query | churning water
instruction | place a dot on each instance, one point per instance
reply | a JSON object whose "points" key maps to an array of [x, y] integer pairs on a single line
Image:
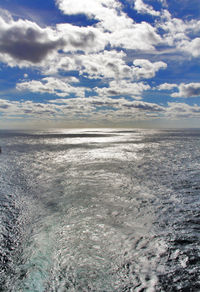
{"points": [[100, 210]]}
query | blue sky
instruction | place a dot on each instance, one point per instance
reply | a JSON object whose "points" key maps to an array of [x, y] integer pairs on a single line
{"points": [[66, 63]]}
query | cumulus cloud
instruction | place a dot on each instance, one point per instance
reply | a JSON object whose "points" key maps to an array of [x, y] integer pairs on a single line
{"points": [[64, 87], [187, 90], [112, 64], [24, 43], [144, 8], [107, 12], [5, 15], [51, 85], [141, 36], [114, 50], [95, 108], [184, 90], [180, 34], [79, 108], [192, 47], [27, 109], [146, 69], [92, 8], [110, 104], [23, 40], [123, 88], [167, 86], [106, 64], [182, 110], [143, 106], [5, 105], [164, 3], [88, 39], [119, 29]]}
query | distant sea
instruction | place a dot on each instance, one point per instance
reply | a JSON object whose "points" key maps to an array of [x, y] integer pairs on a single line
{"points": [[100, 210]]}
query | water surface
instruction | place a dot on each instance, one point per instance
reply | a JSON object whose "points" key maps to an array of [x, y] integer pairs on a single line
{"points": [[100, 210]]}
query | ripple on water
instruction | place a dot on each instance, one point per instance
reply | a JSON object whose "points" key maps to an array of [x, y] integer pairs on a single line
{"points": [[109, 212]]}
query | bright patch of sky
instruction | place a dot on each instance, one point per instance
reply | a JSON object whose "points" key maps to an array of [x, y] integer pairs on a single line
{"points": [[99, 62]]}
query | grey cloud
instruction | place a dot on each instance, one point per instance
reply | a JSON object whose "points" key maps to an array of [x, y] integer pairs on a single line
{"points": [[27, 44], [196, 110], [182, 110], [116, 109], [145, 106], [4, 106], [191, 91], [27, 111], [188, 90], [105, 102], [84, 39], [113, 67], [123, 88], [113, 92]]}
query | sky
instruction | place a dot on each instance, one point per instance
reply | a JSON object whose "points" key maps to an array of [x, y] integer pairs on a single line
{"points": [[99, 63]]}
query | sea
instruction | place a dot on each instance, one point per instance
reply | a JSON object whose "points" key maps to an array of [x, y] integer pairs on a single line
{"points": [[100, 210]]}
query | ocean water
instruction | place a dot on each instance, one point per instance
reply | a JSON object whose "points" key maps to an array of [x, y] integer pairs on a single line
{"points": [[100, 210]]}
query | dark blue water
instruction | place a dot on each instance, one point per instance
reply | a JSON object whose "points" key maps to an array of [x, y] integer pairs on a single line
{"points": [[100, 210]]}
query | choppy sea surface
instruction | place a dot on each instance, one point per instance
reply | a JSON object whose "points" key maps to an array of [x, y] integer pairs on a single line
{"points": [[100, 210]]}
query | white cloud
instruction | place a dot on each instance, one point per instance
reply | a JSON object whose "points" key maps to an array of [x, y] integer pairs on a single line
{"points": [[192, 47], [107, 12], [144, 8], [146, 69], [141, 36], [187, 90], [107, 64], [167, 86], [121, 31], [114, 20], [27, 109], [182, 110], [111, 64], [92, 8], [180, 34], [164, 3], [6, 105], [110, 104], [95, 108], [23, 42], [62, 62], [68, 47], [88, 39], [5, 15], [142, 106], [123, 88], [184, 90], [51, 85]]}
